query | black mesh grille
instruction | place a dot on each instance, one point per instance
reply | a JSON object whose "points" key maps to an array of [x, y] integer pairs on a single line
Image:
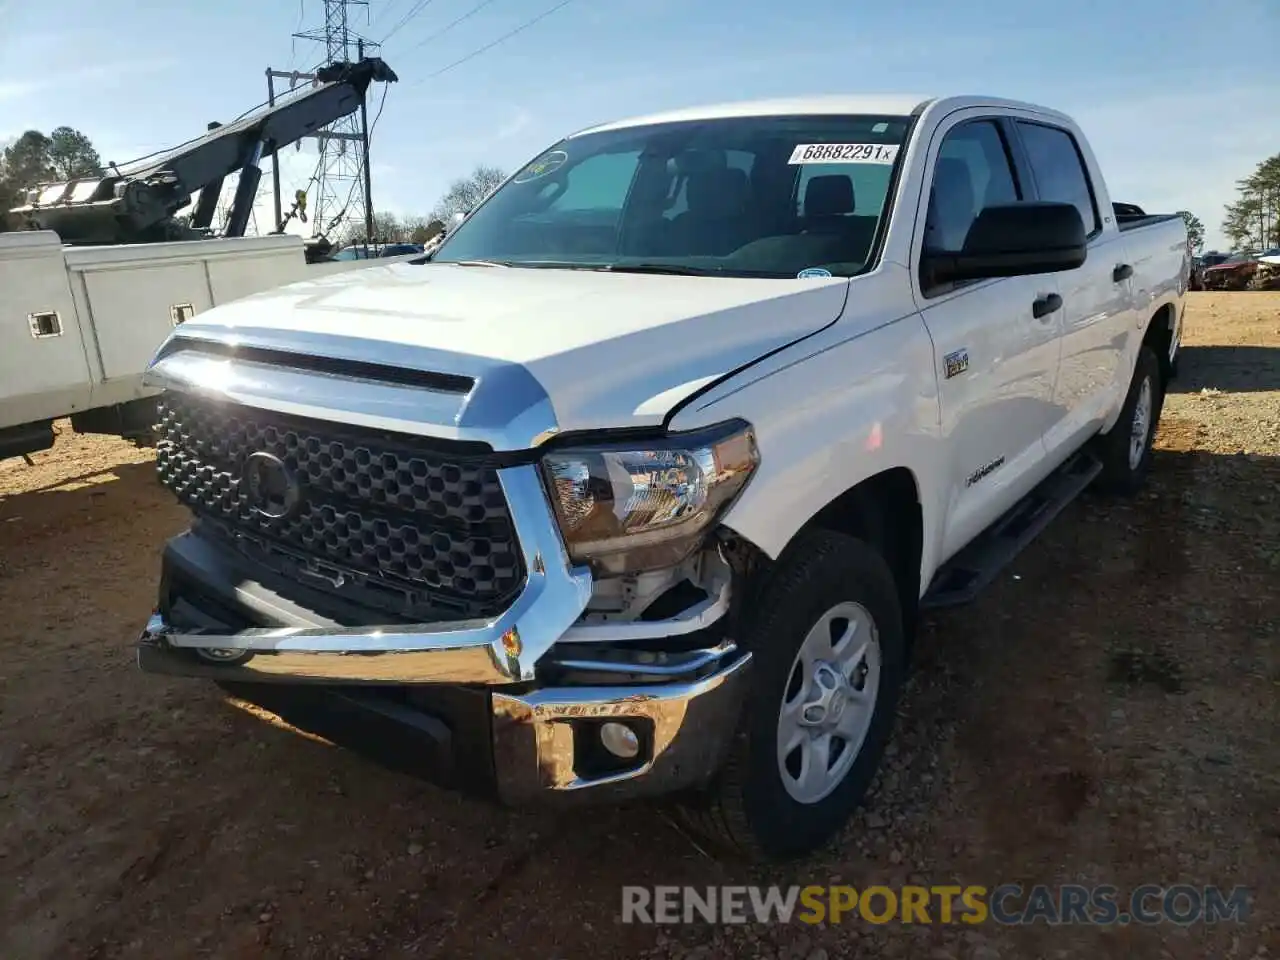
{"points": [[407, 524]]}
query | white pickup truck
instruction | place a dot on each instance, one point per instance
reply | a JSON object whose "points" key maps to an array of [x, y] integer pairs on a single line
{"points": [[638, 483]]}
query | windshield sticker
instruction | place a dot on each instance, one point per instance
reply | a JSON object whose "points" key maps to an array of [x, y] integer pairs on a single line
{"points": [[542, 166], [809, 272], [844, 153]]}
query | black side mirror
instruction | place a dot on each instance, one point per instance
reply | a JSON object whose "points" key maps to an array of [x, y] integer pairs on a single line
{"points": [[1014, 240]]}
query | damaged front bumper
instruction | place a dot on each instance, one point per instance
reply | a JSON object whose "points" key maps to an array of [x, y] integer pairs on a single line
{"points": [[513, 706]]}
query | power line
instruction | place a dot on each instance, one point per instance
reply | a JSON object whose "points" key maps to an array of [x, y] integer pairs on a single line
{"points": [[293, 52], [502, 39], [386, 88], [386, 8], [185, 143], [445, 29], [416, 9]]}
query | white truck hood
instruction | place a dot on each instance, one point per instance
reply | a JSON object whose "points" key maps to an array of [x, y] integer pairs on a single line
{"points": [[607, 349]]}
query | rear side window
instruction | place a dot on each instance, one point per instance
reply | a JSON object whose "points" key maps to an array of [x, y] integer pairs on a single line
{"points": [[1059, 169]]}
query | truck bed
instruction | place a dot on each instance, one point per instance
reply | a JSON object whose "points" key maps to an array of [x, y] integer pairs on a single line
{"points": [[1130, 216], [1127, 222]]}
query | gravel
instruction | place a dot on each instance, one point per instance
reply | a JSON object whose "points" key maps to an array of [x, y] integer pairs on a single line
{"points": [[1104, 713]]}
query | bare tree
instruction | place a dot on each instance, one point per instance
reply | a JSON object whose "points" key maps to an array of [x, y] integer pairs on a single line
{"points": [[466, 194], [387, 228]]}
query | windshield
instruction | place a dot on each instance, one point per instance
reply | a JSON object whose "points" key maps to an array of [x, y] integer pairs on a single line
{"points": [[739, 196]]}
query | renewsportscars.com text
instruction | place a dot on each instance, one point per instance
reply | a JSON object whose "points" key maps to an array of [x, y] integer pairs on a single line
{"points": [[944, 903]]}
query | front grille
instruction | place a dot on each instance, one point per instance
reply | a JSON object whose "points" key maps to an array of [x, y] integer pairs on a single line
{"points": [[420, 528]]}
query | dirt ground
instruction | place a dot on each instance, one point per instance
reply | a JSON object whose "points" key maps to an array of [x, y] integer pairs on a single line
{"points": [[1106, 713]]}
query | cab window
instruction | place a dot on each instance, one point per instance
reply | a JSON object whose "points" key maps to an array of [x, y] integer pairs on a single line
{"points": [[973, 171], [1059, 170]]}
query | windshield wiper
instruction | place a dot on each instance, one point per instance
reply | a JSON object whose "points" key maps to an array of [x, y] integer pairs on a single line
{"points": [[667, 268], [661, 268]]}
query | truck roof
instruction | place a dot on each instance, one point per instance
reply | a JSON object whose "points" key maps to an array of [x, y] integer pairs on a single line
{"points": [[884, 104]]}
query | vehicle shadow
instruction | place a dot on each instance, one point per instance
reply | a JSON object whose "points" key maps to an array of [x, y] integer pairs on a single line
{"points": [[1242, 369], [35, 523]]}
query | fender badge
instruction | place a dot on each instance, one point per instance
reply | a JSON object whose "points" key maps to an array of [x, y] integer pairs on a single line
{"points": [[956, 363]]}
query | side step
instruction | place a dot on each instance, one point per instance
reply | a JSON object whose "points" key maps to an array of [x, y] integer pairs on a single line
{"points": [[963, 576]]}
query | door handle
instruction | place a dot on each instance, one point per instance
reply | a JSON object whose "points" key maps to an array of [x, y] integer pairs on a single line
{"points": [[1043, 306], [1122, 272]]}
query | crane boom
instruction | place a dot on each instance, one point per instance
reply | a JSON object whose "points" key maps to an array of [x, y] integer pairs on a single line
{"points": [[136, 203]]}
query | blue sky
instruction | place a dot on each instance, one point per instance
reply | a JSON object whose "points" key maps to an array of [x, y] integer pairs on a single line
{"points": [[1178, 100]]}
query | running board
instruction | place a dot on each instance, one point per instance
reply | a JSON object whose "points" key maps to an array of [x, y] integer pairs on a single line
{"points": [[963, 576]]}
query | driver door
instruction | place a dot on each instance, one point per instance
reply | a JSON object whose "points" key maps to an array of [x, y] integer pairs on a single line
{"points": [[997, 342]]}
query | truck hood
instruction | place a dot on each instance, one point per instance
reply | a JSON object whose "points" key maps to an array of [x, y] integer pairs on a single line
{"points": [[604, 350]]}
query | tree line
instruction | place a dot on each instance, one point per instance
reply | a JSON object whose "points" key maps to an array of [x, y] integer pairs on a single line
{"points": [[1252, 222], [33, 158], [463, 194]]}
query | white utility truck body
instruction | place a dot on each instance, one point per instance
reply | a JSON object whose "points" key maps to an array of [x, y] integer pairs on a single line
{"points": [[78, 325]]}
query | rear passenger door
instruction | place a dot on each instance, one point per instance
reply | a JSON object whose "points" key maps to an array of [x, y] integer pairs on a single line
{"points": [[1096, 297], [997, 362]]}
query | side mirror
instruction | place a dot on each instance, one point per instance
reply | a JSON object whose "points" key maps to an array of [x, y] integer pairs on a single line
{"points": [[1014, 240]]}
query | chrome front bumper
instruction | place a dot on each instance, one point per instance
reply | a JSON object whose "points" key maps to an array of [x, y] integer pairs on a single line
{"points": [[687, 726], [541, 740], [539, 746], [501, 650]]}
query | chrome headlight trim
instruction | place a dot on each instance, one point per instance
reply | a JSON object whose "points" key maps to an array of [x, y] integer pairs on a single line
{"points": [[629, 505]]}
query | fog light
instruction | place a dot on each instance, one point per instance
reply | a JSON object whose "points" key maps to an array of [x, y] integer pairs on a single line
{"points": [[620, 740]]}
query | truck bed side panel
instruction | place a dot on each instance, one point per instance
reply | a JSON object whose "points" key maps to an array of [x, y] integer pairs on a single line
{"points": [[231, 278], [1158, 253], [133, 295], [133, 310]]}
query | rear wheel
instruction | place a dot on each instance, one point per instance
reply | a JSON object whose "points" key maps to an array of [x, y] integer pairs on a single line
{"points": [[827, 640], [1126, 450]]}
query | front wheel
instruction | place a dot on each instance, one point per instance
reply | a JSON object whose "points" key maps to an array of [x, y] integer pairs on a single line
{"points": [[828, 645]]}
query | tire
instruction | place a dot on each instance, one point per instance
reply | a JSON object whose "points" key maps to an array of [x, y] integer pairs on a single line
{"points": [[1126, 457], [750, 810]]}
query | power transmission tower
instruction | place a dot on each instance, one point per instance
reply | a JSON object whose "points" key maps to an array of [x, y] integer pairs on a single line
{"points": [[342, 199]]}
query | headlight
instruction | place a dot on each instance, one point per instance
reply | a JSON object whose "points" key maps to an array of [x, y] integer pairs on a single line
{"points": [[626, 507]]}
